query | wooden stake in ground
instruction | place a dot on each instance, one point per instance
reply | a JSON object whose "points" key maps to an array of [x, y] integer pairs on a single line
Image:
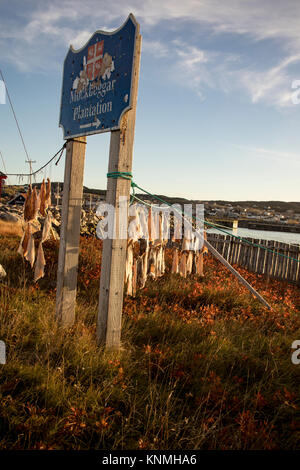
{"points": [[237, 275], [70, 231], [114, 250]]}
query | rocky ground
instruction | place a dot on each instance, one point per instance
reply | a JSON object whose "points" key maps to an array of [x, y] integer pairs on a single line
{"points": [[11, 221], [14, 215]]}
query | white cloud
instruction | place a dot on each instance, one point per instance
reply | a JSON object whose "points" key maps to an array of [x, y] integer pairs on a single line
{"points": [[156, 48], [260, 20], [274, 155], [272, 85], [191, 56], [191, 67], [207, 69], [40, 37], [81, 39]]}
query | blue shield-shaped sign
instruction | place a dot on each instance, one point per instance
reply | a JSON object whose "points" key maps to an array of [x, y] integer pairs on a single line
{"points": [[97, 82]]}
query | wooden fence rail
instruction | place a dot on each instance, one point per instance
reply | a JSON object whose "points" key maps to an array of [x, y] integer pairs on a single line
{"points": [[257, 259]]}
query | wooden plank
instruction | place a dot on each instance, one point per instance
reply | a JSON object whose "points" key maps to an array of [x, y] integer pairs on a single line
{"points": [[274, 264], [274, 274], [247, 254], [217, 243], [293, 264], [70, 231], [266, 257], [278, 264], [244, 248], [238, 252], [239, 277], [255, 255], [230, 250], [251, 256], [293, 253], [257, 249], [220, 243], [298, 267], [225, 240], [260, 256], [264, 260], [114, 250], [284, 263], [274, 258], [236, 246], [280, 261], [233, 250], [222, 252], [290, 263], [242, 253], [227, 245], [269, 258]]}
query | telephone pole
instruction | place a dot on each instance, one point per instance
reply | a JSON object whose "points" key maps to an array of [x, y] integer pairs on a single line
{"points": [[30, 162]]}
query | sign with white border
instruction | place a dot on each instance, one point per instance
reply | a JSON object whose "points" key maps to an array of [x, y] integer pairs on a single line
{"points": [[97, 82]]}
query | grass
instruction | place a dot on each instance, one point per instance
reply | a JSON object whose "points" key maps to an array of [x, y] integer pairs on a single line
{"points": [[10, 229], [203, 365]]}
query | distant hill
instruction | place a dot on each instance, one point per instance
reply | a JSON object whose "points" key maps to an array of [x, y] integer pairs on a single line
{"points": [[278, 206]]}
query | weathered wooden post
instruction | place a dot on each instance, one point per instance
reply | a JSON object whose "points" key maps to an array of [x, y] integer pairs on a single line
{"points": [[114, 250], [99, 94], [69, 232]]}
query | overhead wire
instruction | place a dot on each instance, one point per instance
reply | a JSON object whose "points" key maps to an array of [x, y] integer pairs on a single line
{"points": [[60, 151], [14, 114]]}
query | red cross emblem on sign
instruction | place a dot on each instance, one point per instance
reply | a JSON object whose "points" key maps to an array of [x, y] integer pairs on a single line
{"points": [[94, 60]]}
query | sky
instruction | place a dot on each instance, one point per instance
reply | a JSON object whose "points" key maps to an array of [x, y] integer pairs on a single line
{"points": [[217, 114]]}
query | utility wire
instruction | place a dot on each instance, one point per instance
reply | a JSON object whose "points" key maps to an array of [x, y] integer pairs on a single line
{"points": [[12, 108], [3, 162], [134, 185], [42, 167]]}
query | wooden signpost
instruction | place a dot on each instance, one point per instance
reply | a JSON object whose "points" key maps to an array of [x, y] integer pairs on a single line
{"points": [[69, 232], [114, 250], [99, 94]]}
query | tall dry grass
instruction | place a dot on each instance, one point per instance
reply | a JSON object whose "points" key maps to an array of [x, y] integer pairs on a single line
{"points": [[202, 366], [12, 229]]}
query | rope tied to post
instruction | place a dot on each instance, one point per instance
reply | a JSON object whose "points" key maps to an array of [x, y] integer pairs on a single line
{"points": [[128, 175], [120, 174]]}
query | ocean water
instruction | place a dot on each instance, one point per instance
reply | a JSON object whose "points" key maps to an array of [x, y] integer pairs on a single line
{"points": [[283, 237]]}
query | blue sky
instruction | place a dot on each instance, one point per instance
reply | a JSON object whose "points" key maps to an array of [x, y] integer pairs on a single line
{"points": [[215, 118]]}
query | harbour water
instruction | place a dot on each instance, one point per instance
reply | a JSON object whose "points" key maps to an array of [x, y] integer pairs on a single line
{"points": [[283, 237]]}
